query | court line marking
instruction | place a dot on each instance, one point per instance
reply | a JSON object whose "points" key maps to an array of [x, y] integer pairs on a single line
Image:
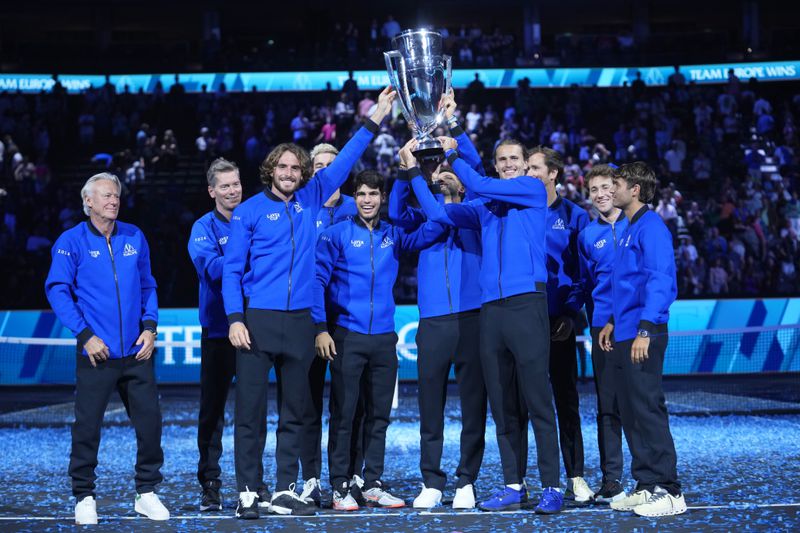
{"points": [[374, 515]]}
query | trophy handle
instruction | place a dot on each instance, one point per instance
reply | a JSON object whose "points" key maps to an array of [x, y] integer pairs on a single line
{"points": [[448, 84], [399, 84]]}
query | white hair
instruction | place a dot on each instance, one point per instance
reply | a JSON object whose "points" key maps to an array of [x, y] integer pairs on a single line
{"points": [[88, 187]]}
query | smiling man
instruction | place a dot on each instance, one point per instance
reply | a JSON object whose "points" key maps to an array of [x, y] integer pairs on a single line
{"points": [[596, 245], [357, 263], [101, 288], [267, 284], [207, 244]]}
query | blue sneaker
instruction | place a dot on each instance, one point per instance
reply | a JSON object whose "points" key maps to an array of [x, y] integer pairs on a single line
{"points": [[551, 502], [505, 499]]}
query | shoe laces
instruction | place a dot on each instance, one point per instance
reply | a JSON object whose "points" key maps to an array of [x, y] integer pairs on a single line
{"points": [[291, 493], [549, 495], [309, 486], [657, 495], [357, 481]]}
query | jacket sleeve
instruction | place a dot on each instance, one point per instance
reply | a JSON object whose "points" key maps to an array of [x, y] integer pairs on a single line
{"points": [[524, 190], [327, 180], [400, 213], [205, 253], [422, 237], [577, 295], [467, 150], [148, 282], [237, 251], [327, 255], [464, 215], [658, 265], [586, 276], [59, 287]]}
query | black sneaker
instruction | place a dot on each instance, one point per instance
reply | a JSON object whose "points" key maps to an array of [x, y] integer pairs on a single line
{"points": [[264, 497], [211, 500], [247, 508], [288, 502], [611, 491], [311, 492]]}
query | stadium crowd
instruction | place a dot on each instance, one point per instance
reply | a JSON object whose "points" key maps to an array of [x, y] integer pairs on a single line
{"points": [[727, 157]]}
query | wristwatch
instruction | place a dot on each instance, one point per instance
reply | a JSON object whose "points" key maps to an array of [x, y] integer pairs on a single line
{"points": [[154, 331], [643, 333], [452, 121]]}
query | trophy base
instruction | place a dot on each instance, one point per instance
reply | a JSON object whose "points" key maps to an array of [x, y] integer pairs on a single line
{"points": [[429, 149]]}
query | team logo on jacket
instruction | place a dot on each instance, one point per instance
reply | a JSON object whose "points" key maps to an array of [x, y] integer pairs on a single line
{"points": [[128, 250], [387, 242], [273, 216], [94, 253], [559, 224], [599, 244], [223, 240], [357, 244], [298, 208]]}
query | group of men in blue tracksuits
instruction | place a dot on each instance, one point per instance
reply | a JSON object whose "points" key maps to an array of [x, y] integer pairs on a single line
{"points": [[300, 278]]}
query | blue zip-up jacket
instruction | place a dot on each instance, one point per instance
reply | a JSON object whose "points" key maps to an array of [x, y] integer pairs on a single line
{"points": [[207, 244], [270, 254], [596, 248], [644, 283], [511, 214], [103, 288], [564, 290], [448, 270], [356, 271], [344, 209]]}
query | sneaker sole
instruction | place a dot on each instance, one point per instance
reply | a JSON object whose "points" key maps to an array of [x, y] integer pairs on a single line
{"points": [[390, 506], [88, 523], [247, 515], [672, 512], [543, 511], [437, 504], [215, 507], [513, 507], [345, 509], [155, 519], [608, 500], [286, 511]]}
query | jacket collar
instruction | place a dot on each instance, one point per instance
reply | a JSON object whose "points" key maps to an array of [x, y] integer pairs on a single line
{"points": [[272, 196], [620, 216], [557, 202], [97, 231], [220, 216], [357, 220], [640, 213]]}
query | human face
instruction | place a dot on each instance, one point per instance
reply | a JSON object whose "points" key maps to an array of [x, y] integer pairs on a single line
{"points": [[368, 202], [103, 202], [621, 194], [509, 162], [538, 169], [288, 174], [449, 183], [600, 188], [322, 161], [227, 191]]}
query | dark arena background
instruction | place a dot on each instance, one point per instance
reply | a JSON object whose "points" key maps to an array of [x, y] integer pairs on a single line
{"points": [[706, 92]]}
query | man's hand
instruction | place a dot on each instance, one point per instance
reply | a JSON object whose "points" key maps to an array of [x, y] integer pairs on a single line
{"points": [[604, 337], [384, 106], [407, 154], [561, 329], [325, 346], [148, 341], [448, 143], [97, 350], [448, 103], [639, 349], [239, 336]]}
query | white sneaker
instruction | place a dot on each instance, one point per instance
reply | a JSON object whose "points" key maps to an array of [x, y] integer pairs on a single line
{"points": [[582, 492], [86, 511], [464, 498], [428, 498], [378, 497], [631, 500], [661, 503], [312, 492], [149, 505]]}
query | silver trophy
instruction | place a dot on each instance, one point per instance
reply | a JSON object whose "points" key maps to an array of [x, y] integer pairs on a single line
{"points": [[421, 74]]}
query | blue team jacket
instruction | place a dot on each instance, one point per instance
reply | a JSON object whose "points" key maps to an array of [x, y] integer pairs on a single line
{"points": [[344, 209], [103, 288], [270, 255], [644, 284], [511, 215], [207, 244], [596, 248], [564, 290], [356, 271]]}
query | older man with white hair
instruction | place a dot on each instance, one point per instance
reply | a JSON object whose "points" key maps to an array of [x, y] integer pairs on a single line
{"points": [[101, 288]]}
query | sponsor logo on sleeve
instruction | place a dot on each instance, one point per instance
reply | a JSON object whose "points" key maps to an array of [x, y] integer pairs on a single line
{"points": [[129, 250]]}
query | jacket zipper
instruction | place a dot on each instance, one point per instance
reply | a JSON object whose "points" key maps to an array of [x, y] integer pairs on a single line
{"points": [[331, 212], [119, 300], [447, 271], [500, 255], [372, 282], [291, 261]]}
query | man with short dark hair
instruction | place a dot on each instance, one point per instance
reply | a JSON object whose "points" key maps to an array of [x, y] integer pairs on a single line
{"points": [[267, 285], [357, 263], [101, 288], [564, 301], [643, 285], [207, 243], [596, 246]]}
